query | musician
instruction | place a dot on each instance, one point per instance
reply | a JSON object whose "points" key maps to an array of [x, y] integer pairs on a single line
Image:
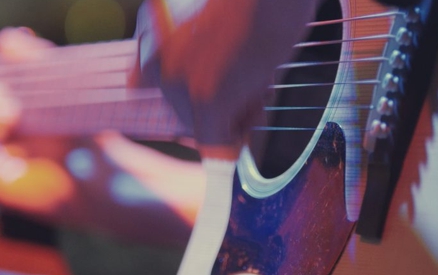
{"points": [[214, 72], [202, 58], [241, 41], [228, 47]]}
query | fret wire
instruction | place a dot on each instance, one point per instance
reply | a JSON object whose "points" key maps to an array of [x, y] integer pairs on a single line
{"points": [[147, 111]]}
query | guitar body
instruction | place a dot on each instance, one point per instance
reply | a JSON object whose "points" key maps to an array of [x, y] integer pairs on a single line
{"points": [[409, 244], [297, 222], [410, 240], [301, 229]]}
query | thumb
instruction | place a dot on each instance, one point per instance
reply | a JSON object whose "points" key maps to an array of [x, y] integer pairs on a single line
{"points": [[10, 110], [21, 44]]}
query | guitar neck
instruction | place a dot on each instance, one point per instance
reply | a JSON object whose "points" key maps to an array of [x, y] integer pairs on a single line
{"points": [[81, 90]]}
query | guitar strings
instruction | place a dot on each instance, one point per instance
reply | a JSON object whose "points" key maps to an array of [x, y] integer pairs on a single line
{"points": [[89, 96], [131, 51], [129, 47], [353, 108], [121, 66]]}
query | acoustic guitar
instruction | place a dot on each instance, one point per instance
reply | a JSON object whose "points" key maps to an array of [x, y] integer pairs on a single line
{"points": [[294, 223], [247, 235]]}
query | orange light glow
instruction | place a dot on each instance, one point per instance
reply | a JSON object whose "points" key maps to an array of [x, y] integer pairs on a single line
{"points": [[94, 20], [23, 257], [37, 185]]}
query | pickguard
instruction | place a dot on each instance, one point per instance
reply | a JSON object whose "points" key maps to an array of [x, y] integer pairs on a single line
{"points": [[301, 229]]}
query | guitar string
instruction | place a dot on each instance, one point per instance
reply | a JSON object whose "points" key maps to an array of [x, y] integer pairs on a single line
{"points": [[357, 18], [311, 64], [293, 108], [378, 59], [332, 42], [273, 128], [124, 94], [303, 85]]}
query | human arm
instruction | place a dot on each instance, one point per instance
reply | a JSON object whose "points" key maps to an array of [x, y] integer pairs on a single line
{"points": [[63, 198]]}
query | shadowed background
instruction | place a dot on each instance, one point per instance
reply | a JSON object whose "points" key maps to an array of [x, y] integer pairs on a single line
{"points": [[72, 21]]}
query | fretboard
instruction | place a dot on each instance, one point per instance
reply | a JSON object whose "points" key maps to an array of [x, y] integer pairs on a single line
{"points": [[81, 90]]}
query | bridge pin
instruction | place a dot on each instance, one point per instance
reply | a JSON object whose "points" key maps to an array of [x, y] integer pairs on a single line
{"points": [[390, 82], [403, 37], [385, 106], [397, 60], [379, 129]]}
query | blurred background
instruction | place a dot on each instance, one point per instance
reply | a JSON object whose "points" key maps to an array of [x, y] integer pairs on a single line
{"points": [[72, 22]]}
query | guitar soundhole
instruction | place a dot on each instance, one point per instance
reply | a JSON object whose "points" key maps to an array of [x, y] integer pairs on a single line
{"points": [[282, 148]]}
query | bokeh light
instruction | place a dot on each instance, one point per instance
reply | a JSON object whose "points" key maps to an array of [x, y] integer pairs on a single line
{"points": [[94, 20]]}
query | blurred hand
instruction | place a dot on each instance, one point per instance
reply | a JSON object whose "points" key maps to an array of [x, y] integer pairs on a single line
{"points": [[21, 44], [16, 45], [216, 66], [182, 189], [9, 111]]}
